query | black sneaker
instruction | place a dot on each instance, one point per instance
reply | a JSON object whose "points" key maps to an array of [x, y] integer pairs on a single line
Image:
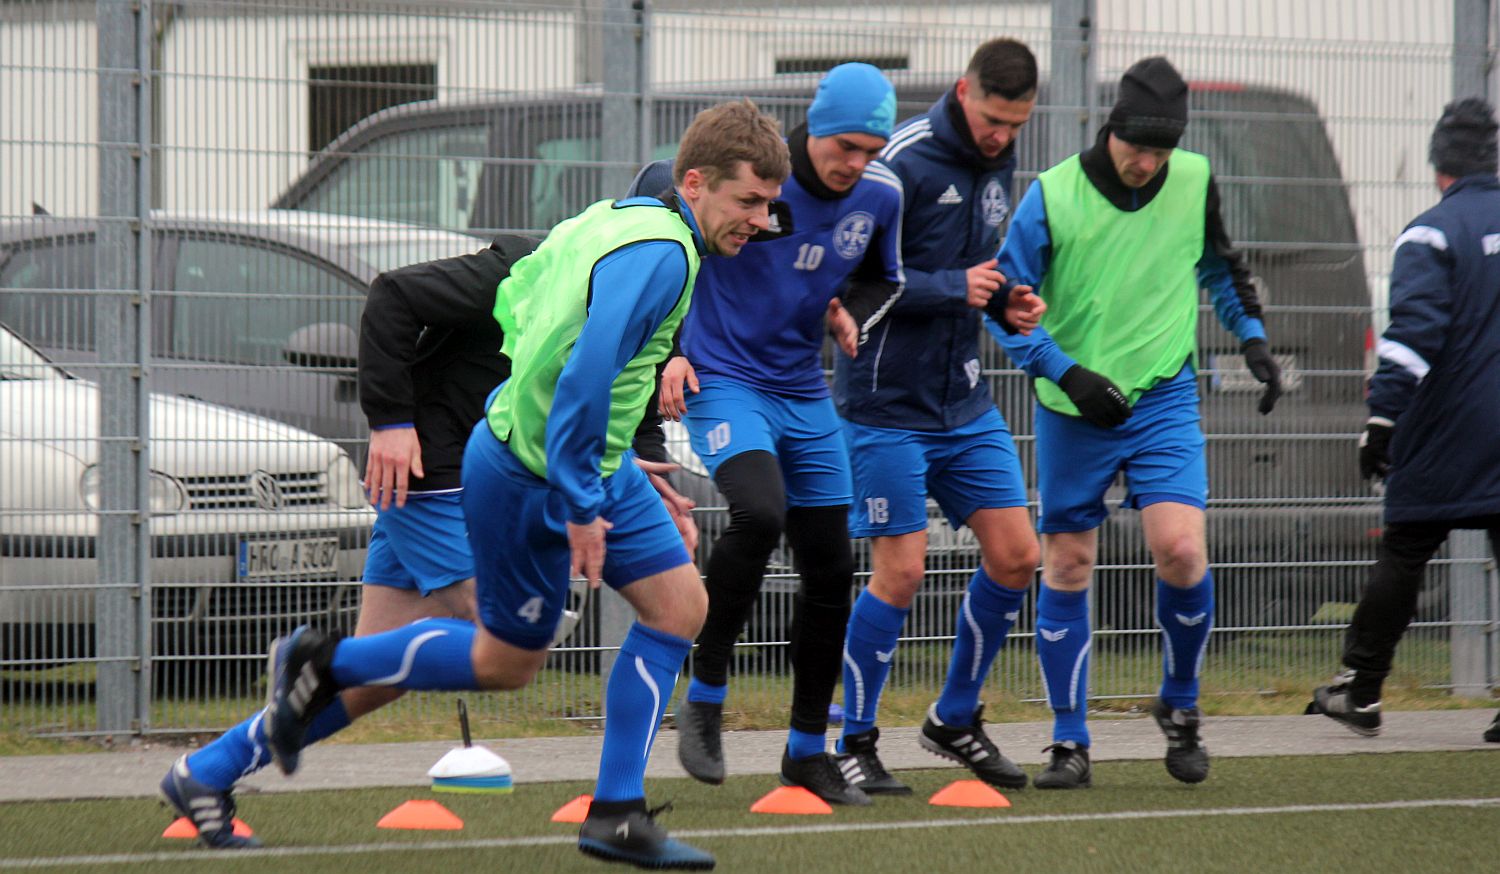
{"points": [[1492, 734], [1069, 768], [1187, 757], [208, 809], [1335, 702], [299, 668], [862, 767], [821, 776], [700, 747], [632, 836], [971, 747]]}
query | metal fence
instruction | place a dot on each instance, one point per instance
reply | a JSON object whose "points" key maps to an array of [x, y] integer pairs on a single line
{"points": [[196, 195]]}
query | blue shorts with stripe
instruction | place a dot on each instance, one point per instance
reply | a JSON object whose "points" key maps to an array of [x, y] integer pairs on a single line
{"points": [[726, 418], [1159, 449], [518, 531], [973, 467], [422, 546]]}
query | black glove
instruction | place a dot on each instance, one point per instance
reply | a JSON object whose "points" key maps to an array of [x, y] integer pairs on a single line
{"points": [[1375, 448], [1098, 400], [1264, 368]]}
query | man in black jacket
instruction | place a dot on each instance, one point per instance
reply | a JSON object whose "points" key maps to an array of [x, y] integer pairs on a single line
{"points": [[429, 356]]}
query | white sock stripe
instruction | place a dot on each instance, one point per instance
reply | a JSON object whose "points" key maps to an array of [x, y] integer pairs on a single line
{"points": [[859, 683], [1083, 654], [257, 749], [1168, 653], [408, 659], [640, 668], [978, 633]]}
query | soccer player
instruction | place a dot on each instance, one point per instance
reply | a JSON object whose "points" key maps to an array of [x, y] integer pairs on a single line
{"points": [[1118, 240], [549, 491], [426, 364], [757, 408], [919, 420]]}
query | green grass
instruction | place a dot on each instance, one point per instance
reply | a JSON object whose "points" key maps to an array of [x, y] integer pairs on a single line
{"points": [[1437, 838], [1252, 674]]}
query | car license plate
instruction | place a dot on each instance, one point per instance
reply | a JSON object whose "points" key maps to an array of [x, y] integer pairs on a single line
{"points": [[304, 557]]}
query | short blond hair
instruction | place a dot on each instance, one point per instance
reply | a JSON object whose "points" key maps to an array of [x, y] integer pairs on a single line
{"points": [[726, 134]]}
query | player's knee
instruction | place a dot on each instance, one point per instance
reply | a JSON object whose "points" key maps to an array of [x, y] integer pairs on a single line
{"points": [[1180, 559], [897, 583], [761, 523], [1013, 564], [505, 676]]}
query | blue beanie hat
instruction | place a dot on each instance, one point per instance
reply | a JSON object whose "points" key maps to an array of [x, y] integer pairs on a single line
{"points": [[853, 98]]}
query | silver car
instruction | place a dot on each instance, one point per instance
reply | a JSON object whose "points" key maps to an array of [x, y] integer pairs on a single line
{"points": [[255, 525]]}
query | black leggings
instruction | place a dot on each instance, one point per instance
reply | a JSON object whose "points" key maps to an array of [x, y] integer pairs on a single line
{"points": [[1390, 601], [819, 537]]}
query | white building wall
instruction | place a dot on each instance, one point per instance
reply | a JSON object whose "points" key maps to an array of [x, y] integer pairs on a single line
{"points": [[49, 118]]}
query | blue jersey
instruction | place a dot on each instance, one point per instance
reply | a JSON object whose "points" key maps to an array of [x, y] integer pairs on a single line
{"points": [[759, 318]]}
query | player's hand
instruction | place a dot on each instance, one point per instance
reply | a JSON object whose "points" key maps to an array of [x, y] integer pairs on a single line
{"points": [[1098, 400], [1264, 368], [672, 402], [841, 325], [1375, 448], [983, 281], [1024, 309], [679, 506], [395, 455], [587, 545]]}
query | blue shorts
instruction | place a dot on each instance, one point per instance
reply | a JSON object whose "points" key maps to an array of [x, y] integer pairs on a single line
{"points": [[518, 530], [727, 418], [1160, 449], [973, 467], [421, 546]]}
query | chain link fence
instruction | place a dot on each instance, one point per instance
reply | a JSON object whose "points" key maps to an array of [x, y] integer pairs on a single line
{"points": [[198, 193]]}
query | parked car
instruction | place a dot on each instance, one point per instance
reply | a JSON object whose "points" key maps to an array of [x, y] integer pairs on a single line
{"points": [[254, 310], [256, 526], [1289, 517]]}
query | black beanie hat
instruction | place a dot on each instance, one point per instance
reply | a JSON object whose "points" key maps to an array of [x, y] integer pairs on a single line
{"points": [[1152, 107], [1463, 143]]}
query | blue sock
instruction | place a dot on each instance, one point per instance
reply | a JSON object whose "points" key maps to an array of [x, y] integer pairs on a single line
{"points": [[801, 744], [241, 751], [428, 654], [985, 617], [640, 684], [1062, 646], [705, 693], [1186, 617], [874, 627]]}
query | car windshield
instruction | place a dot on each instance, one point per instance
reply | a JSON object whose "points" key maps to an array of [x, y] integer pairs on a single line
{"points": [[19, 361]]}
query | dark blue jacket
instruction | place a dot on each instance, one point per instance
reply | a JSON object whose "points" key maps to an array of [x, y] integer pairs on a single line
{"points": [[1439, 373], [920, 368]]}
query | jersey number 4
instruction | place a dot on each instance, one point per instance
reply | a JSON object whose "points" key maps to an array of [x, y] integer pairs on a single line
{"points": [[531, 611], [809, 256]]}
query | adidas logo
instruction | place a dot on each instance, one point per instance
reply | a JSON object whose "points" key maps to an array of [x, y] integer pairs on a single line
{"points": [[1013, 615], [1191, 620], [884, 657], [951, 196], [1053, 636]]}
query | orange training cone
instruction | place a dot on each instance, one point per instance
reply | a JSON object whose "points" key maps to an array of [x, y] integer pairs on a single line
{"points": [[429, 815], [790, 800], [576, 810], [182, 827], [969, 793]]}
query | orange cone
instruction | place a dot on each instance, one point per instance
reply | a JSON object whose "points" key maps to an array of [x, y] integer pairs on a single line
{"points": [[576, 810], [182, 827], [427, 815], [969, 793], [790, 800]]}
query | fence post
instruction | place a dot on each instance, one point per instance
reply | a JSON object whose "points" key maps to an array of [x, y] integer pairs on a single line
{"points": [[621, 134], [1071, 86], [1468, 610], [1471, 51], [118, 269]]}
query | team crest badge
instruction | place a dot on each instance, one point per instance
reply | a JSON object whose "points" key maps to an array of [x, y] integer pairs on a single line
{"points": [[995, 204], [851, 236]]}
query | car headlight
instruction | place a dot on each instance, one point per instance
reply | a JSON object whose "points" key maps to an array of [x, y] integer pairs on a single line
{"points": [[344, 488], [165, 495]]}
